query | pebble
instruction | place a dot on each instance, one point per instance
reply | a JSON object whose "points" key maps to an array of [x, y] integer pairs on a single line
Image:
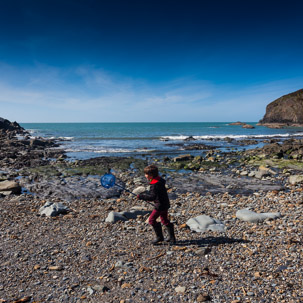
{"points": [[180, 289], [105, 262]]}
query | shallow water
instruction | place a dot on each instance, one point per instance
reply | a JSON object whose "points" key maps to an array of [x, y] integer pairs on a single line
{"points": [[89, 140]]}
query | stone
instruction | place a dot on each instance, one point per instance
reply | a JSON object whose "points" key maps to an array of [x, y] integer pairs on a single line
{"points": [[126, 285], [252, 174], [114, 217], [56, 268], [139, 190], [253, 217], [203, 223], [11, 186], [183, 158], [203, 298], [134, 212], [51, 209], [101, 288], [261, 173], [180, 289], [295, 179], [90, 290]]}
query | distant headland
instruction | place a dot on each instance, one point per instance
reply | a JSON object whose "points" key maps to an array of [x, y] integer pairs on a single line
{"points": [[284, 111]]}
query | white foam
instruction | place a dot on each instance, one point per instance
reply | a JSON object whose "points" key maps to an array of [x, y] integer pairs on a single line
{"points": [[179, 137], [64, 138], [143, 150], [220, 137], [98, 150]]}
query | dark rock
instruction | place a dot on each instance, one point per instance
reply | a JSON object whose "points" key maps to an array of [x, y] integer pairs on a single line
{"points": [[182, 158], [237, 123], [287, 110], [6, 125], [24, 152], [190, 138], [228, 139], [198, 147], [248, 126]]}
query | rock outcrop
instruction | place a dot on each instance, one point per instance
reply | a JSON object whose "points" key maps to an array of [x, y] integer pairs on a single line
{"points": [[7, 126], [19, 150], [287, 110], [244, 125]]}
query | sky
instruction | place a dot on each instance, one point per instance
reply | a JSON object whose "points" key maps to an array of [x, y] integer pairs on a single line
{"points": [[147, 60]]}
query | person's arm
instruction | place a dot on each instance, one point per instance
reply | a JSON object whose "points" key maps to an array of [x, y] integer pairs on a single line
{"points": [[150, 195]]}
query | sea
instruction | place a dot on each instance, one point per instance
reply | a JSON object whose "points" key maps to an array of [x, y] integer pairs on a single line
{"points": [[147, 140]]}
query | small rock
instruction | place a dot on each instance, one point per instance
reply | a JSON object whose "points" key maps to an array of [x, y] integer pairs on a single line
{"points": [[180, 289], [101, 288], [203, 298], [90, 290], [55, 267], [126, 285]]}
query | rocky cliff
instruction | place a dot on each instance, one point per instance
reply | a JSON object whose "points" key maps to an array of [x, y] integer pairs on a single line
{"points": [[24, 151], [287, 110], [7, 126]]}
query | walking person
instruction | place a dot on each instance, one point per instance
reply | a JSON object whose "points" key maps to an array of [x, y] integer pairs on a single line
{"points": [[158, 194]]}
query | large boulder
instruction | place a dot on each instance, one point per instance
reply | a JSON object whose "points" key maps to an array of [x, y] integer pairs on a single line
{"points": [[10, 186], [50, 209], [295, 179], [287, 109], [253, 217], [203, 223]]}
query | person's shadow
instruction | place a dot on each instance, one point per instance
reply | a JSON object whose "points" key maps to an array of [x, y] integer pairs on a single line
{"points": [[210, 241]]}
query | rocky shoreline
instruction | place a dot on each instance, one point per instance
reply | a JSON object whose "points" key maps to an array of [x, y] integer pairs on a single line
{"points": [[82, 256]]}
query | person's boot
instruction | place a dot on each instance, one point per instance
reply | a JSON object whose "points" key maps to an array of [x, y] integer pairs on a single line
{"points": [[171, 233], [158, 231]]}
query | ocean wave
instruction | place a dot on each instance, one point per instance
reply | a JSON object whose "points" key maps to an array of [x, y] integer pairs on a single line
{"points": [[222, 137], [136, 138], [107, 150], [179, 137], [97, 150], [144, 150], [65, 138]]}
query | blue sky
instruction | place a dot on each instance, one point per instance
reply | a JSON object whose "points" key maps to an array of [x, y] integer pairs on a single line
{"points": [[147, 60]]}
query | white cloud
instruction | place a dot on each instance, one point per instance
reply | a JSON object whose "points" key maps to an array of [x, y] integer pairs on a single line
{"points": [[86, 94]]}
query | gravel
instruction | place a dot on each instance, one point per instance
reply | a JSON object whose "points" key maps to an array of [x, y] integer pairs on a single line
{"points": [[78, 257]]}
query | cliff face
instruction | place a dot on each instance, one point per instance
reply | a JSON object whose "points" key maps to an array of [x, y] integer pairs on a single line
{"points": [[7, 126], [287, 109]]}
